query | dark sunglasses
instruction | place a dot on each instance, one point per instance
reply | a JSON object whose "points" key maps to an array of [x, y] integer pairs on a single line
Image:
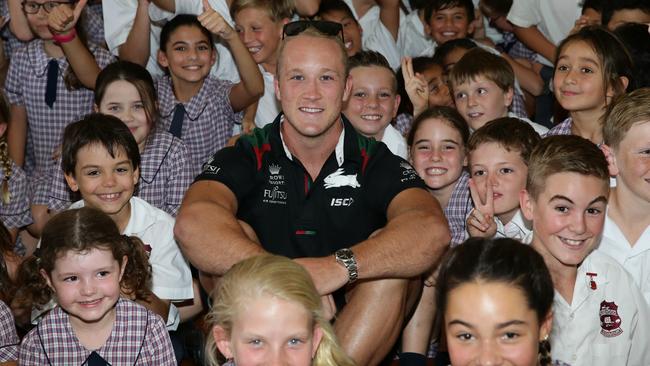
{"points": [[328, 28]]}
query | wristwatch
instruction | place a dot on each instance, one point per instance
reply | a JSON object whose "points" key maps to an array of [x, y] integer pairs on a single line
{"points": [[346, 258]]}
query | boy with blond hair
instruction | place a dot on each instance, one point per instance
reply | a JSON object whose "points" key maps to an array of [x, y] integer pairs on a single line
{"points": [[626, 236], [599, 314]]}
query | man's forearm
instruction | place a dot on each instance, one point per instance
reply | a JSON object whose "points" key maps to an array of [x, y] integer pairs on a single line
{"points": [[409, 245]]}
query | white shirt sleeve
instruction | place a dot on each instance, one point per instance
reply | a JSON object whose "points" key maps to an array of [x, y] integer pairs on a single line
{"points": [[524, 13], [118, 21]]}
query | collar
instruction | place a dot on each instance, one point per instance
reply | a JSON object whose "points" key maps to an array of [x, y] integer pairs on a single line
{"points": [[517, 228], [193, 108], [347, 147], [38, 59], [156, 149]]}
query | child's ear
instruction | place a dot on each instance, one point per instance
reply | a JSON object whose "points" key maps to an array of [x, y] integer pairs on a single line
{"points": [[47, 278], [348, 88], [162, 59], [72, 182], [125, 260], [398, 99], [509, 96], [136, 176], [624, 82], [315, 341], [611, 159], [222, 339], [3, 128], [526, 204], [545, 327]]}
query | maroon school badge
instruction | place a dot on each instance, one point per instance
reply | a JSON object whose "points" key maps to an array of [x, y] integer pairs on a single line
{"points": [[610, 322]]}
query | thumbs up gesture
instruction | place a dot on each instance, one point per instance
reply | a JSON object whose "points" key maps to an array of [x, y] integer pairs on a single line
{"points": [[214, 22], [63, 18]]}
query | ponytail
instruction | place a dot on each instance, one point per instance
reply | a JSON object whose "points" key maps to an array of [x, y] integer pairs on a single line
{"points": [[136, 279]]}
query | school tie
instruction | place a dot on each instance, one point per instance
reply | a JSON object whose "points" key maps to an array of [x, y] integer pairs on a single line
{"points": [[96, 360], [177, 120], [50, 88]]}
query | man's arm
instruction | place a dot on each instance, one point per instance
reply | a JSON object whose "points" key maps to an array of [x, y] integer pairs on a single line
{"points": [[207, 229], [415, 236]]}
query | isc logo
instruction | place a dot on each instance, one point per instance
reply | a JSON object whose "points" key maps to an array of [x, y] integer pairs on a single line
{"points": [[338, 202]]}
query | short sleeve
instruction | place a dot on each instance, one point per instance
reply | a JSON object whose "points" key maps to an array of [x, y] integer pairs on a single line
{"points": [[158, 345], [388, 176], [14, 87], [119, 16], [234, 166], [30, 351], [179, 170], [524, 13], [9, 341], [102, 57], [59, 195]]}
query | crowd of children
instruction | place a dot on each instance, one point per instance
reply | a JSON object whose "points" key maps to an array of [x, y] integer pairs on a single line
{"points": [[527, 120]]}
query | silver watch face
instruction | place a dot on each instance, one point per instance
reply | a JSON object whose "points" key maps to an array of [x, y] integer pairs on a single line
{"points": [[344, 254]]}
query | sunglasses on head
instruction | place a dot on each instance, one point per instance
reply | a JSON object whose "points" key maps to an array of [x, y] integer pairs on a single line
{"points": [[323, 26]]}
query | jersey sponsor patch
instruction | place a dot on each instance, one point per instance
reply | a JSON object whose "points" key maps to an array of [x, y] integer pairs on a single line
{"points": [[208, 168], [338, 179], [408, 173], [610, 321]]}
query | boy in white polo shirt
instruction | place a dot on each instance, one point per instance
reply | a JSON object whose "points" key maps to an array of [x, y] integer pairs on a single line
{"points": [[599, 314], [100, 159], [626, 236]]}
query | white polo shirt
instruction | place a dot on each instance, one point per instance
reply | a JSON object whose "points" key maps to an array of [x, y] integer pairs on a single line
{"points": [[553, 18], [375, 35], [635, 259], [517, 228], [412, 40], [119, 16], [268, 106], [395, 142], [605, 325]]}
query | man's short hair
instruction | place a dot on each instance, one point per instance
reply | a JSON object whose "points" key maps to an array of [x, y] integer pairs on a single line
{"points": [[481, 63], [626, 111], [372, 58], [510, 133], [437, 5], [97, 129], [612, 6], [313, 32], [276, 9], [564, 154], [327, 6]]}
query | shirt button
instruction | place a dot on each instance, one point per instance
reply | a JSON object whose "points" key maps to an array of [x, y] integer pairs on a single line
{"points": [[571, 316], [574, 357]]}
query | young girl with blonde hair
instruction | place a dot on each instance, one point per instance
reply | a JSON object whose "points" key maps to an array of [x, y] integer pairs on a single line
{"points": [[275, 299]]}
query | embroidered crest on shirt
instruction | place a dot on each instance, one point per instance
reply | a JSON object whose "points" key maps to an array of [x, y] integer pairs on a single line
{"points": [[275, 177], [610, 322], [337, 179]]}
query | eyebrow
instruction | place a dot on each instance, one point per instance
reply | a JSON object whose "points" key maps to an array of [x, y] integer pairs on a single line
{"points": [[565, 198], [125, 161], [498, 326], [427, 140]]}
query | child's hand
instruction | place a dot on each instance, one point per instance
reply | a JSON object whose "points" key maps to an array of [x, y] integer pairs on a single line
{"points": [[582, 22], [415, 85], [215, 23], [480, 221], [62, 19]]}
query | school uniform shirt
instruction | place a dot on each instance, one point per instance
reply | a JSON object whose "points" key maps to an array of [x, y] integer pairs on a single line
{"points": [[375, 35], [165, 174], [16, 213], [170, 272], [459, 206], [517, 228], [11, 43], [138, 337], [208, 120], [607, 322], [634, 258], [553, 18], [395, 142], [9, 341], [268, 106], [25, 85], [541, 130], [412, 40], [119, 16], [403, 123], [564, 128]]}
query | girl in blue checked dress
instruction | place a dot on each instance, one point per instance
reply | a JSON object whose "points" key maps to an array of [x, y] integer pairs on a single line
{"points": [[199, 109], [93, 271], [47, 89], [437, 141], [126, 91]]}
